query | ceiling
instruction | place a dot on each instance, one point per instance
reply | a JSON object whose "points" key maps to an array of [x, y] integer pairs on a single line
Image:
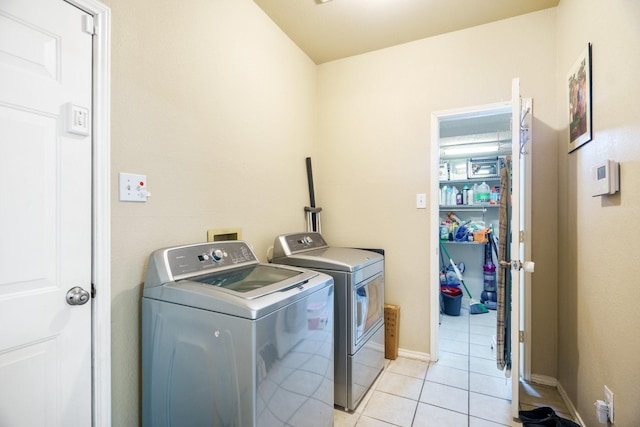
{"points": [[342, 28]]}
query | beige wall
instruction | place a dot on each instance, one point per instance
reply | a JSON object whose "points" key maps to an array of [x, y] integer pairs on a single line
{"points": [[218, 108], [374, 154], [598, 240]]}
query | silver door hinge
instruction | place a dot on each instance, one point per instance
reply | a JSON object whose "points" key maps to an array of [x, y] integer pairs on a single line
{"points": [[521, 336], [88, 25], [521, 236]]}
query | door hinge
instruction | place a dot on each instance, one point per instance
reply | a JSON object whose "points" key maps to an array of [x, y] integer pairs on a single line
{"points": [[88, 24], [521, 336], [93, 290], [521, 236]]}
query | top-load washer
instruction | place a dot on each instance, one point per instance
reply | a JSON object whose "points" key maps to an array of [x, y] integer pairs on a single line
{"points": [[229, 341], [359, 308]]}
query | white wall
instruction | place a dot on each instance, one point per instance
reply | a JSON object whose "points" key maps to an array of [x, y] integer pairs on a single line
{"points": [[374, 153], [598, 240], [218, 108]]}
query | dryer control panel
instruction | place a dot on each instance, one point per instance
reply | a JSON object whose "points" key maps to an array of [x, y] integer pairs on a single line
{"points": [[297, 242]]}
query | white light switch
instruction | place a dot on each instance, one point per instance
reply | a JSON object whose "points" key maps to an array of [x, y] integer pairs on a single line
{"points": [[421, 201], [133, 187]]}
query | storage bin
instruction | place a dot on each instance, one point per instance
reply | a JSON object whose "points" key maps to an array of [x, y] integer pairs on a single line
{"points": [[391, 331], [451, 300]]}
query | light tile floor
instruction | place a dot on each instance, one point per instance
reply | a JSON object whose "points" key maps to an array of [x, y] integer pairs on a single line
{"points": [[463, 389]]}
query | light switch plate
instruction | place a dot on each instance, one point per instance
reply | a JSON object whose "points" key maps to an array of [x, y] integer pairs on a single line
{"points": [[132, 187], [421, 201], [78, 119]]}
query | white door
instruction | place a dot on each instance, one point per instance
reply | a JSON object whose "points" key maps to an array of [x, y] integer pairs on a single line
{"points": [[45, 214], [520, 214]]}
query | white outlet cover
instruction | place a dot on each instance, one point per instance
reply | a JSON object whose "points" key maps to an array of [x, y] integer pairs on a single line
{"points": [[608, 397], [132, 187]]}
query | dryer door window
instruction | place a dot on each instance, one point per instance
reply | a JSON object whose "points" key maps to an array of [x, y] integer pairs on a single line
{"points": [[368, 306]]}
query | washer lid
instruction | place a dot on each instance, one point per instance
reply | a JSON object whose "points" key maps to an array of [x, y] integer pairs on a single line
{"points": [[332, 258], [253, 281], [266, 296]]}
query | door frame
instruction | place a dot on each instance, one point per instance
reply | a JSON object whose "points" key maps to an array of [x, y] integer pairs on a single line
{"points": [[101, 211], [434, 233]]}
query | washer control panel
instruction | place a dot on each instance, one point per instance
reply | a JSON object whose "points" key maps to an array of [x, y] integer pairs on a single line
{"points": [[207, 257]]}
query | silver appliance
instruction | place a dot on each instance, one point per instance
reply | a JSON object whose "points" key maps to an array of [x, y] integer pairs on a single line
{"points": [[229, 341], [359, 308]]}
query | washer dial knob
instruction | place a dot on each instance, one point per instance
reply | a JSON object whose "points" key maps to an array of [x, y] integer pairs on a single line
{"points": [[217, 255], [307, 240]]}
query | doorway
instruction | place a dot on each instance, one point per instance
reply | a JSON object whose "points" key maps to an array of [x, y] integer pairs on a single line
{"points": [[482, 132], [474, 147]]}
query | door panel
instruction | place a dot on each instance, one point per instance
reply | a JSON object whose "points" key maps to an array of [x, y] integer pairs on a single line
{"points": [[31, 371], [45, 215], [516, 246]]}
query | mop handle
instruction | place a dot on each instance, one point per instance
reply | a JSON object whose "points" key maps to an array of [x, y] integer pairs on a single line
{"points": [[445, 250], [455, 268]]}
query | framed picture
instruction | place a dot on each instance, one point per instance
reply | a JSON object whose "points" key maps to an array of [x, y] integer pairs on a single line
{"points": [[579, 92]]}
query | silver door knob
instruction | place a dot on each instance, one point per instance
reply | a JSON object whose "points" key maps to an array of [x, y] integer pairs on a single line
{"points": [[77, 296]]}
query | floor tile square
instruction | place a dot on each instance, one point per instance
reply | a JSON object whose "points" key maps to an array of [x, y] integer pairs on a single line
{"points": [[484, 351], [429, 416], [344, 419], [411, 367], [451, 346], [492, 386], [365, 421], [401, 385], [448, 376], [389, 408], [453, 360], [490, 408], [485, 366], [444, 396]]}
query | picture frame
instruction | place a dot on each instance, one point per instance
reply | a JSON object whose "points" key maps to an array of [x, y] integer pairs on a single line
{"points": [[579, 98]]}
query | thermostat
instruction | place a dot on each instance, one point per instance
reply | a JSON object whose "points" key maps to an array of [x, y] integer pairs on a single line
{"points": [[605, 178]]}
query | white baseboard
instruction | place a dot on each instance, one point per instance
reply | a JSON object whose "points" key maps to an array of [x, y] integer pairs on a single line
{"points": [[569, 403], [410, 354], [544, 380]]}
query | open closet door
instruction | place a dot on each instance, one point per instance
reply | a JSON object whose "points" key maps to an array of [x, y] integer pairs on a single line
{"points": [[515, 252]]}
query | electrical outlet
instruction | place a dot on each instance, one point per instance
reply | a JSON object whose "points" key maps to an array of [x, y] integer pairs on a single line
{"points": [[608, 397]]}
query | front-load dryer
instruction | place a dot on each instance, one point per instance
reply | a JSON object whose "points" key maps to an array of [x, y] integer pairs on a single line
{"points": [[359, 308]]}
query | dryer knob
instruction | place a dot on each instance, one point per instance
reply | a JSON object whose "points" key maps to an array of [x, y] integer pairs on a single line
{"points": [[217, 255], [308, 240]]}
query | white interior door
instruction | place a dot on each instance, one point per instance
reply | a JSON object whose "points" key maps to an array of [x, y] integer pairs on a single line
{"points": [[45, 214], [520, 239], [517, 244]]}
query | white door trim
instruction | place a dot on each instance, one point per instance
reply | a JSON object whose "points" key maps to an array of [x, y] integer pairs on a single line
{"points": [[101, 216]]}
